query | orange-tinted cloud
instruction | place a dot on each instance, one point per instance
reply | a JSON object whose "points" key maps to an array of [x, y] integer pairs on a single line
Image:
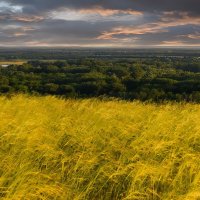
{"points": [[108, 12], [137, 30], [18, 34], [23, 31], [28, 18], [21, 18], [177, 43], [194, 36], [170, 19], [167, 20]]}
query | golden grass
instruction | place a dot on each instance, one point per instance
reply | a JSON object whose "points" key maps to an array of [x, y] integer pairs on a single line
{"points": [[12, 62], [103, 150]]}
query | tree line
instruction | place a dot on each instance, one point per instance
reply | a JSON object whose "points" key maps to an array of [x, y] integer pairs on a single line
{"points": [[145, 79]]}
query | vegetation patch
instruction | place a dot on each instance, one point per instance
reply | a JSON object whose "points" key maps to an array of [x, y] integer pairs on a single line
{"points": [[145, 79], [59, 149]]}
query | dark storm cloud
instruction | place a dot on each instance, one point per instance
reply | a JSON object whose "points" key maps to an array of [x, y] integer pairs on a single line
{"points": [[191, 6], [56, 32], [61, 32], [179, 34], [10, 17], [98, 22]]}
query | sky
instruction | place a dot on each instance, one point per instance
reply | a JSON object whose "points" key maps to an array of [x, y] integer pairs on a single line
{"points": [[100, 23]]}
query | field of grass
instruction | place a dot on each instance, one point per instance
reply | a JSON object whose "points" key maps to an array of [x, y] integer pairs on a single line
{"points": [[12, 62], [20, 62], [54, 149]]}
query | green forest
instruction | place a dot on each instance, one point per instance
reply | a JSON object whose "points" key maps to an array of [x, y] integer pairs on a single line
{"points": [[146, 79]]}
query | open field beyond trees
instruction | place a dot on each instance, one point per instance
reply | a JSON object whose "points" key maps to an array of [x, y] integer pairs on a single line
{"points": [[12, 62], [60, 149]]}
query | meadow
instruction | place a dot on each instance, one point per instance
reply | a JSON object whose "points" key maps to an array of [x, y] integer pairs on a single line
{"points": [[57, 149], [12, 62]]}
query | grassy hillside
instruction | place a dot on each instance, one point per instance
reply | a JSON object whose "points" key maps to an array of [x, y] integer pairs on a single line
{"points": [[91, 149]]}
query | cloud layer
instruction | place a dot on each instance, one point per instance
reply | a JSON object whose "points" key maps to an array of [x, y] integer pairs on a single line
{"points": [[112, 23]]}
